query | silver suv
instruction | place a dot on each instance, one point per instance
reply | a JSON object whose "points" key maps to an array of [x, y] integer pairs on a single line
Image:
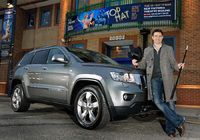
{"points": [[96, 88]]}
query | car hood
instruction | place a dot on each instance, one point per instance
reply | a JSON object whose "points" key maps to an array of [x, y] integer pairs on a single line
{"points": [[106, 66], [115, 67]]}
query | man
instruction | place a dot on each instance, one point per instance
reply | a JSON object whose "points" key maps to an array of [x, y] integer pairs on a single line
{"points": [[159, 62]]}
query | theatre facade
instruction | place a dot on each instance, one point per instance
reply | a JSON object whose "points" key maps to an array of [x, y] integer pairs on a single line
{"points": [[110, 27]]}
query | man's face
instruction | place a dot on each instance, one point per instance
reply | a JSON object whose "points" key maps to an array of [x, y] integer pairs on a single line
{"points": [[157, 38], [92, 14]]}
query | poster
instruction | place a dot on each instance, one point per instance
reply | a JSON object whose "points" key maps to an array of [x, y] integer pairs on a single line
{"points": [[122, 14], [6, 33]]}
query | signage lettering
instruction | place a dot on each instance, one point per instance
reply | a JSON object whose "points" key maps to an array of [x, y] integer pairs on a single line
{"points": [[120, 37]]}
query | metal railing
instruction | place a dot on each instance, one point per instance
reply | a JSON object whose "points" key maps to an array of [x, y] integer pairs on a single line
{"points": [[144, 24]]}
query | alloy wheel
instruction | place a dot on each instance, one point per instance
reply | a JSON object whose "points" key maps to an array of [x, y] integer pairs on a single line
{"points": [[16, 98], [88, 107]]}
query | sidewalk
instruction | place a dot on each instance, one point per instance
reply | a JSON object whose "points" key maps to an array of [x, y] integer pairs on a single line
{"points": [[191, 113]]}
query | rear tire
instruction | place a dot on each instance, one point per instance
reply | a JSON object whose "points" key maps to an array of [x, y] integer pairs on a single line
{"points": [[90, 108], [18, 99]]}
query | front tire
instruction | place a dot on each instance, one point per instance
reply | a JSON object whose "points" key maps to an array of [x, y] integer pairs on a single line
{"points": [[90, 108], [18, 99]]}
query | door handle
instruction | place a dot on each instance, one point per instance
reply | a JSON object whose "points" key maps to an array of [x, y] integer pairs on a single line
{"points": [[26, 68], [44, 68]]}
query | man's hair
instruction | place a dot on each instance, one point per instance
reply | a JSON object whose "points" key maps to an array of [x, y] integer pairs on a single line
{"points": [[157, 30]]}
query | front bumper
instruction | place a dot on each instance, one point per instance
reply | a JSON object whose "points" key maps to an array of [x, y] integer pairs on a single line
{"points": [[118, 113], [124, 99]]}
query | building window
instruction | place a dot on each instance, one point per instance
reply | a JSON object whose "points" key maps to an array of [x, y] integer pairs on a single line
{"points": [[120, 54], [45, 17], [30, 21], [1, 24], [80, 3], [121, 2], [125, 2], [170, 40], [81, 46], [58, 14]]}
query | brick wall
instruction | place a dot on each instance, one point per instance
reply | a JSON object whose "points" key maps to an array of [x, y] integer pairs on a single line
{"points": [[4, 69], [23, 2], [94, 1], [189, 35], [19, 24], [3, 4], [188, 96], [65, 6]]}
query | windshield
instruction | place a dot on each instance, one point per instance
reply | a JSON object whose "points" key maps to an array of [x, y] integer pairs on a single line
{"points": [[83, 55]]}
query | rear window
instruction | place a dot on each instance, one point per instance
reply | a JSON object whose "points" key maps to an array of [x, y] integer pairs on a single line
{"points": [[27, 59]]}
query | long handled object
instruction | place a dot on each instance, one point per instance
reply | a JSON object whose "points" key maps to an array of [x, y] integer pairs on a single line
{"points": [[173, 91]]}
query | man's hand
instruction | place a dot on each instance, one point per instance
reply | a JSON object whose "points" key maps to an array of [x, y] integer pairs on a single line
{"points": [[134, 62], [181, 65]]}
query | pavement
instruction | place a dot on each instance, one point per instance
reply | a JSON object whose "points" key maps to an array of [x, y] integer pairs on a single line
{"points": [[191, 113]]}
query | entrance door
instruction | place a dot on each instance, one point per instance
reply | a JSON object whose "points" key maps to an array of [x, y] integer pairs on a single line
{"points": [[118, 51]]}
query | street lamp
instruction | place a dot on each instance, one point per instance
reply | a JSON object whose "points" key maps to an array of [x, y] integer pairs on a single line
{"points": [[9, 4], [63, 41]]}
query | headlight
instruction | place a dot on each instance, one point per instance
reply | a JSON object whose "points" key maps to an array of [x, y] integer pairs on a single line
{"points": [[126, 77]]}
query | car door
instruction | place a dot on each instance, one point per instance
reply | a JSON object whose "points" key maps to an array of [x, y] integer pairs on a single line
{"points": [[28, 74], [54, 79], [34, 71]]}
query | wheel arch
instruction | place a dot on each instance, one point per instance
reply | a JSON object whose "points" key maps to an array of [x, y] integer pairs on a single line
{"points": [[15, 82], [85, 82]]}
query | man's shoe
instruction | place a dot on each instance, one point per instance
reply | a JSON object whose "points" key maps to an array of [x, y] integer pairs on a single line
{"points": [[182, 129], [172, 135]]}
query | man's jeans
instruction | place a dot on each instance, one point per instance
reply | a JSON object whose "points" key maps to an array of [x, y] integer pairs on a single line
{"points": [[173, 120]]}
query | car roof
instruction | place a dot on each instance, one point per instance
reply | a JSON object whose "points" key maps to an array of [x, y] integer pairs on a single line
{"points": [[46, 47]]}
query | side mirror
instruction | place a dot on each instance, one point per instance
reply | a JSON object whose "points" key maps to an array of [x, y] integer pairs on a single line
{"points": [[59, 58], [135, 53]]}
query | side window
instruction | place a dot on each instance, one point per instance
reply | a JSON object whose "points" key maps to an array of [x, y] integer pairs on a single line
{"points": [[40, 57], [51, 53], [27, 59]]}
